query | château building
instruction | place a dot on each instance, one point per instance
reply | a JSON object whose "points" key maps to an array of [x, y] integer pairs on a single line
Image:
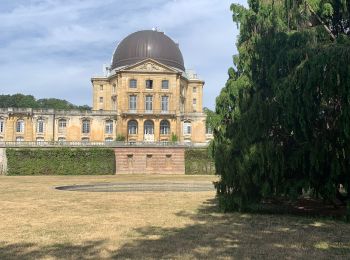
{"points": [[145, 95]]}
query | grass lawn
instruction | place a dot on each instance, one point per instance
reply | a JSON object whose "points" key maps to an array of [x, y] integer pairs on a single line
{"points": [[39, 222]]}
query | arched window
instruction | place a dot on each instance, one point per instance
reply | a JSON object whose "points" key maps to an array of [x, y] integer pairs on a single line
{"points": [[20, 126], [62, 125], [40, 126], [109, 127], [187, 128], [164, 127], [149, 127], [132, 127], [86, 126]]}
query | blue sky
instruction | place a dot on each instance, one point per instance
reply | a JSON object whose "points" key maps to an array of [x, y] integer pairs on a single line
{"points": [[51, 48]]}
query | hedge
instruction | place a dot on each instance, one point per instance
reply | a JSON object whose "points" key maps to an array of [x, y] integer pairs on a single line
{"points": [[198, 161], [60, 161]]}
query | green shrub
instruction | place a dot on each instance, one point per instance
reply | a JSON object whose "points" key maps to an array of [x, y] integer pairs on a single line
{"points": [[198, 161], [60, 161], [120, 138]]}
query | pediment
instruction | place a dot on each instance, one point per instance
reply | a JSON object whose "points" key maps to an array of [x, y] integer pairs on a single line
{"points": [[149, 65]]}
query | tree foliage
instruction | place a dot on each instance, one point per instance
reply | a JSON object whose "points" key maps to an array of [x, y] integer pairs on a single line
{"points": [[28, 101], [283, 118]]}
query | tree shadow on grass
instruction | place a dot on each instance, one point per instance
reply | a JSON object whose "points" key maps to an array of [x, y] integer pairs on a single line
{"points": [[214, 235], [23, 251]]}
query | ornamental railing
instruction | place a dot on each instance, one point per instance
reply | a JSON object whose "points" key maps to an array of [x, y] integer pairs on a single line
{"points": [[149, 112]]}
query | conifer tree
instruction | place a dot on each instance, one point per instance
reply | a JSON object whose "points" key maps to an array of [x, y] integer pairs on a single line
{"points": [[282, 121]]}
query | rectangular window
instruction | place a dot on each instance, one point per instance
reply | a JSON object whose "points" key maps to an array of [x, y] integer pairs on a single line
{"points": [[187, 128], [133, 83], [101, 99], [165, 103], [132, 102], [165, 84], [62, 124], [114, 88], [194, 89], [101, 87], [148, 103], [109, 127], [194, 101], [2, 126], [149, 84], [40, 126], [20, 126], [86, 127]]}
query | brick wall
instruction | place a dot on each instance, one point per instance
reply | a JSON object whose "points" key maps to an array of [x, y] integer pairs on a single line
{"points": [[150, 160]]}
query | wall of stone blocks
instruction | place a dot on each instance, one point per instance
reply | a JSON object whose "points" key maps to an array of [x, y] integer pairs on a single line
{"points": [[3, 161], [150, 160]]}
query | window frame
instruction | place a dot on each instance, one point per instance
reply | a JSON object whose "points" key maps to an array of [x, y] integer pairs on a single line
{"points": [[164, 127], [131, 101], [2, 125], [20, 126], [149, 84], [187, 128], [40, 128], [149, 103], [133, 83], [132, 127], [164, 104], [109, 126], [167, 84], [86, 126], [147, 127]]}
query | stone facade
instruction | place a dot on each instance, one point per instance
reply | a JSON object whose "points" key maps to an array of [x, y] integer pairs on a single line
{"points": [[150, 160], [146, 101], [174, 98]]}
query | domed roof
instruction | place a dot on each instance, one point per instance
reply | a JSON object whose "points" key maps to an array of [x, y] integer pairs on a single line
{"points": [[148, 44]]}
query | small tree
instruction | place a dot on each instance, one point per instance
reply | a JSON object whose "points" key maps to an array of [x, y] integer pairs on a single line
{"points": [[174, 138], [120, 138]]}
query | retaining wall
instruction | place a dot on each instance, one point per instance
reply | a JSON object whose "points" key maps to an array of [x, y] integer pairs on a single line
{"points": [[150, 160]]}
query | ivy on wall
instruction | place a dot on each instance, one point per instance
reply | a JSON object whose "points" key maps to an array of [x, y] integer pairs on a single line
{"points": [[198, 161], [60, 161]]}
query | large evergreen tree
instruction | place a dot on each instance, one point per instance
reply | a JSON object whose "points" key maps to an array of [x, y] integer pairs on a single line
{"points": [[283, 119]]}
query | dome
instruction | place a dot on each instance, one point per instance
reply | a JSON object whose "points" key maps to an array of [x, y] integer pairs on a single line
{"points": [[148, 44]]}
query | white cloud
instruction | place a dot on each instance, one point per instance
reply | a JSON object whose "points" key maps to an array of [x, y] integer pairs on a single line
{"points": [[51, 48]]}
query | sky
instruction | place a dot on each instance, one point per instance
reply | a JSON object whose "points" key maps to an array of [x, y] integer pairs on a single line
{"points": [[52, 48]]}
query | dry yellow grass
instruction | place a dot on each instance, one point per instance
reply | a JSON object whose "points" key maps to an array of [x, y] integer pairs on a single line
{"points": [[39, 222]]}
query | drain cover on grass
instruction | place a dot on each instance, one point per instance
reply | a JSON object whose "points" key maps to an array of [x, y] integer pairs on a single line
{"points": [[126, 187]]}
